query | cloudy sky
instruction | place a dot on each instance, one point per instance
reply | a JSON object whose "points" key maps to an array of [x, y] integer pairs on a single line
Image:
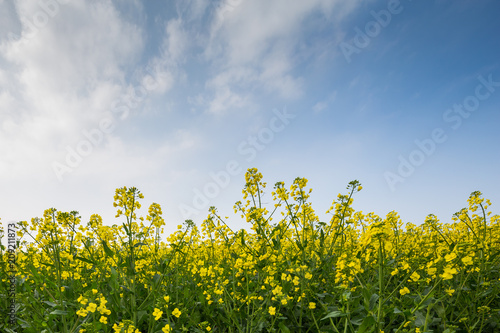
{"points": [[179, 98]]}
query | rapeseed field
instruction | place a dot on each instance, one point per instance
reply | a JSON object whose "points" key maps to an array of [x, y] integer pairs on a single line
{"points": [[287, 272]]}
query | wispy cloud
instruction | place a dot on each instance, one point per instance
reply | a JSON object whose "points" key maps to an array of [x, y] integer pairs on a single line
{"points": [[62, 80]]}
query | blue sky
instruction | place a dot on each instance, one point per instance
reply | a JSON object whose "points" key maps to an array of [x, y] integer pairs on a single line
{"points": [[179, 98]]}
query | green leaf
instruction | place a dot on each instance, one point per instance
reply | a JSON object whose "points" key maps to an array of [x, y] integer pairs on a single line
{"points": [[283, 328], [373, 300], [156, 279], [358, 320], [242, 237], [50, 303], [85, 260], [368, 325], [107, 250], [420, 321], [140, 315], [334, 314], [321, 237], [275, 243], [59, 312], [47, 264]]}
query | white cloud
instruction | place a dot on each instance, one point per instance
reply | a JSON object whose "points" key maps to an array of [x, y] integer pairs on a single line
{"points": [[60, 79], [164, 69], [254, 44], [322, 105]]}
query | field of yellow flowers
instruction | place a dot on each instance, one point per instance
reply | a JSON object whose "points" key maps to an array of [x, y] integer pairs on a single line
{"points": [[288, 272]]}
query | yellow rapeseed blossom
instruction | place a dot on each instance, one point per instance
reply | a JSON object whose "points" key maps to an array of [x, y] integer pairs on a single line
{"points": [[157, 313], [91, 307], [415, 277], [467, 261], [431, 270], [312, 305], [272, 310], [404, 291], [450, 257], [448, 273], [82, 300], [176, 312], [82, 312], [166, 329]]}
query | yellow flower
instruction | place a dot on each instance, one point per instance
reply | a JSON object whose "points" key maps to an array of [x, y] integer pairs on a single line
{"points": [[166, 328], [92, 307], [450, 257], [277, 291], [312, 305], [103, 320], [102, 309], [157, 313], [484, 308], [448, 273], [94, 291], [450, 291], [308, 276], [404, 291], [177, 312], [209, 328], [272, 310], [62, 289], [406, 266], [431, 270], [82, 312], [467, 261]]}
